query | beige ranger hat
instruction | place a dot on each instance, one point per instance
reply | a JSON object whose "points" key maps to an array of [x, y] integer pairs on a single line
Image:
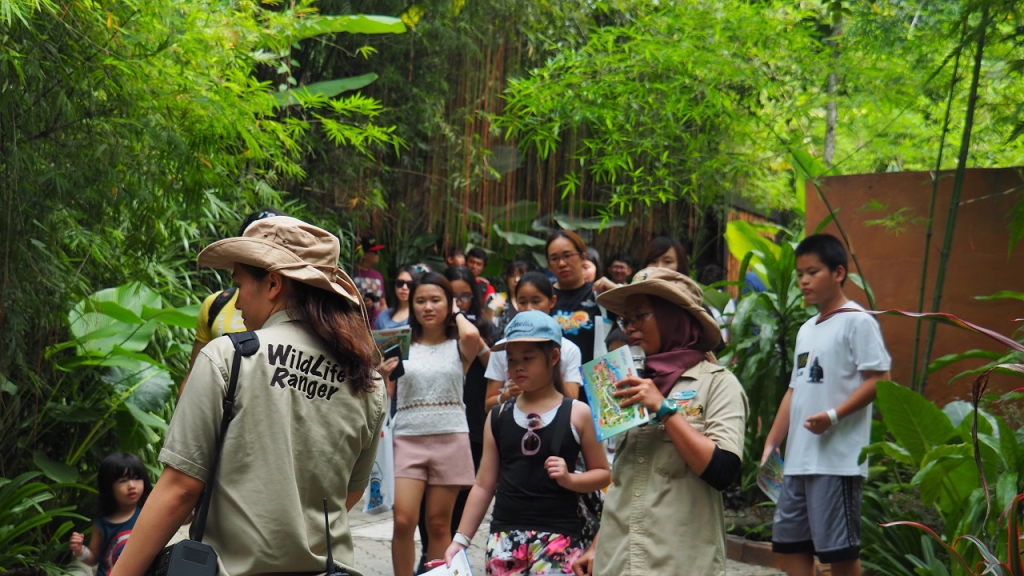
{"points": [[674, 287], [290, 247]]}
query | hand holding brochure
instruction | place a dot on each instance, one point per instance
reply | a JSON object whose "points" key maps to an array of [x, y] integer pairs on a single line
{"points": [[769, 477], [600, 378], [394, 337], [459, 567]]}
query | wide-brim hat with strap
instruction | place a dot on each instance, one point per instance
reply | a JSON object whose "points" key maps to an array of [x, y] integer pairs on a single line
{"points": [[673, 287], [290, 247]]}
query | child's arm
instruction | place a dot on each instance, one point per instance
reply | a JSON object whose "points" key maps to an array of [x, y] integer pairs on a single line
{"points": [[598, 474], [481, 495], [92, 552], [780, 428], [861, 397]]}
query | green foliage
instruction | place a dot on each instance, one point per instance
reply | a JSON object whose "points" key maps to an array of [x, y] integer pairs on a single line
{"points": [[763, 339], [22, 517]]}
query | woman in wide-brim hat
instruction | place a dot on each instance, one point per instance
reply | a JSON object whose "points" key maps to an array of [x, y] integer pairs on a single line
{"points": [[664, 513], [308, 411]]}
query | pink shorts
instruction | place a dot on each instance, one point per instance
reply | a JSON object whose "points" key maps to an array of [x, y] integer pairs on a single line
{"points": [[437, 459]]}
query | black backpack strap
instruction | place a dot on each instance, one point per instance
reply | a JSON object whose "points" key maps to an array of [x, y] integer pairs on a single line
{"points": [[218, 304], [246, 344], [561, 425]]}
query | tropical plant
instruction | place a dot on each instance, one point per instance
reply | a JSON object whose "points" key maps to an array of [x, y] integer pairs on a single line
{"points": [[950, 459], [763, 337], [22, 518]]}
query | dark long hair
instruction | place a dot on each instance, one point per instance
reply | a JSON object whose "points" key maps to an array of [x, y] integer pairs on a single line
{"points": [[487, 329], [660, 245], [114, 467], [338, 323], [538, 280], [409, 269], [451, 330], [341, 326], [466, 275]]}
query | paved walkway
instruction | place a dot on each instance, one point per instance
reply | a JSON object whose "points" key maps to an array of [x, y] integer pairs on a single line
{"points": [[372, 538]]}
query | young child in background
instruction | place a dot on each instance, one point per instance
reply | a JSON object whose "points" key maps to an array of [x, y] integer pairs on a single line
{"points": [[616, 339], [123, 487], [533, 291], [531, 445]]}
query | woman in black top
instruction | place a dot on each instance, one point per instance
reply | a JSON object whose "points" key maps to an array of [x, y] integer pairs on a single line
{"points": [[576, 309]]}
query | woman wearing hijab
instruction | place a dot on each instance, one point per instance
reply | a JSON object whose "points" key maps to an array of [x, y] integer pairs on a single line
{"points": [[307, 415], [664, 509]]}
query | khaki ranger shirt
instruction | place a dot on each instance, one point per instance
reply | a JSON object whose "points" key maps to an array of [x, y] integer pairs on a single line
{"points": [[659, 517], [298, 436]]}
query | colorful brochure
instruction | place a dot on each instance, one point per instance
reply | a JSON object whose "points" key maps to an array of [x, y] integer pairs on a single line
{"points": [[394, 336], [600, 378], [459, 567], [769, 477]]}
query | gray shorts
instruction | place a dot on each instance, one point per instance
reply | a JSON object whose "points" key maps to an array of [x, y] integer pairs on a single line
{"points": [[819, 515]]}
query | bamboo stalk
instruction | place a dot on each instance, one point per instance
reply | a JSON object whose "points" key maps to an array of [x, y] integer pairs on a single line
{"points": [[931, 219], [958, 184]]}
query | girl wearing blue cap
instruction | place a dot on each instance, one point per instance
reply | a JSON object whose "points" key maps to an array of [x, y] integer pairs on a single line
{"points": [[530, 448]]}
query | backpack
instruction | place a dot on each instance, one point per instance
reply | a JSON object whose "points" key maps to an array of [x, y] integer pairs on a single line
{"points": [[219, 303]]}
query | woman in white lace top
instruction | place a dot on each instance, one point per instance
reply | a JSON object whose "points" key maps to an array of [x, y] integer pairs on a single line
{"points": [[432, 453]]}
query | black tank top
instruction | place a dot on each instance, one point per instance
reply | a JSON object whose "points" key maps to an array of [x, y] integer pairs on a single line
{"points": [[526, 498]]}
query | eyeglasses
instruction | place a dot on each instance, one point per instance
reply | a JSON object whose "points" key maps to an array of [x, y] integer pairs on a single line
{"points": [[531, 441], [421, 268], [465, 298], [403, 283], [635, 319], [567, 256]]}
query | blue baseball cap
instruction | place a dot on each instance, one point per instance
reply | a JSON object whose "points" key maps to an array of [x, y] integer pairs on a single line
{"points": [[531, 326]]}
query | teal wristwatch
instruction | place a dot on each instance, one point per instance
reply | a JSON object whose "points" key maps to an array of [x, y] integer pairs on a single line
{"points": [[665, 411]]}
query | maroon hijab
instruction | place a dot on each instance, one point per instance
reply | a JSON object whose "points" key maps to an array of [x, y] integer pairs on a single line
{"points": [[679, 335]]}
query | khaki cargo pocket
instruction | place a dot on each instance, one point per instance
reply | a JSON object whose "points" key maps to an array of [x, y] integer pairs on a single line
{"points": [[668, 461]]}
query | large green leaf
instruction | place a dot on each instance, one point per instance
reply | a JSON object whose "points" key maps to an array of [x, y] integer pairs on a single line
{"points": [[957, 411], [108, 311], [719, 300], [576, 223], [57, 471], [943, 361], [148, 387], [184, 317], [917, 424], [324, 89], [517, 238], [807, 165], [316, 25]]}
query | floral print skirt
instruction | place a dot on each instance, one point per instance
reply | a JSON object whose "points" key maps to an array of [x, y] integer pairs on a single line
{"points": [[523, 552]]}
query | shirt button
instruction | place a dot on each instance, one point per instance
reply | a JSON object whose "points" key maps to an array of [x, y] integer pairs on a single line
{"points": [[640, 460], [637, 493], [634, 527]]}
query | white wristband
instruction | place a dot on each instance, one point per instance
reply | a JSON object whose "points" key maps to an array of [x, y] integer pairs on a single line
{"points": [[483, 351], [461, 539], [84, 554], [832, 416]]}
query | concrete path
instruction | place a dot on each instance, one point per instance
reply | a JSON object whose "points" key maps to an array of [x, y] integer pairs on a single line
{"points": [[372, 538]]}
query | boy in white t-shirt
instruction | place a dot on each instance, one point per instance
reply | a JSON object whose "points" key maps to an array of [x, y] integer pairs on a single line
{"points": [[825, 418]]}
